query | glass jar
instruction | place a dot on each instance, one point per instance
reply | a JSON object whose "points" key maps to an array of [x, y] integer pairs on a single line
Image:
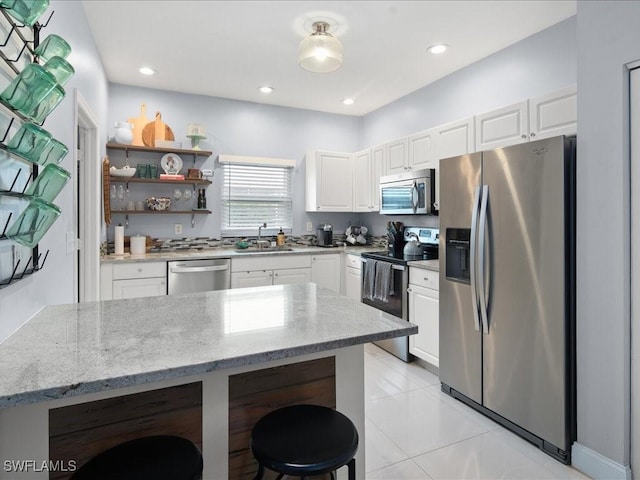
{"points": [[31, 87], [49, 183], [29, 142], [42, 110], [60, 69], [53, 46], [33, 223], [54, 152], [25, 11]]}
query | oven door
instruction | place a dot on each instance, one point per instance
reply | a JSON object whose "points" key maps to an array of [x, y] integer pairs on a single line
{"points": [[397, 303], [404, 197]]}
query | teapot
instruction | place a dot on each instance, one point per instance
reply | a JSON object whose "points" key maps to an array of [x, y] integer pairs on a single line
{"points": [[413, 248]]}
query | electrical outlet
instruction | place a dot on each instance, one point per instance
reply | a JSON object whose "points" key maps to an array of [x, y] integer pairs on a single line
{"points": [[177, 229], [309, 227]]}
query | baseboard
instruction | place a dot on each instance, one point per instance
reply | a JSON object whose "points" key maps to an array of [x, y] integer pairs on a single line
{"points": [[597, 465]]}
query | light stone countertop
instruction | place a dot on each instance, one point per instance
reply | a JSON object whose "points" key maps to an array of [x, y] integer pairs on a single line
{"points": [[433, 265], [70, 350], [232, 252]]}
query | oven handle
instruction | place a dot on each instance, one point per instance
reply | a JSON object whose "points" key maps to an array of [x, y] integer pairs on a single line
{"points": [[394, 266]]}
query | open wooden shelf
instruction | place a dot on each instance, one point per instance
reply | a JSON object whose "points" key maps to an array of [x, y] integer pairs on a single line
{"points": [[191, 181], [136, 148], [154, 212]]}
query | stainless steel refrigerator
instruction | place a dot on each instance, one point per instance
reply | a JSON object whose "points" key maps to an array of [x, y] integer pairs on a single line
{"points": [[507, 287]]}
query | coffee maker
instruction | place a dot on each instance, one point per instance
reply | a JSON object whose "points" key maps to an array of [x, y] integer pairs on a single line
{"points": [[325, 235]]}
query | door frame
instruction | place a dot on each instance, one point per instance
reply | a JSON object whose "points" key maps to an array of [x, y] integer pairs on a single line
{"points": [[634, 154], [87, 268]]}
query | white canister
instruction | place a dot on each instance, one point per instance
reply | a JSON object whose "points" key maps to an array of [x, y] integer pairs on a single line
{"points": [[138, 245], [124, 135]]}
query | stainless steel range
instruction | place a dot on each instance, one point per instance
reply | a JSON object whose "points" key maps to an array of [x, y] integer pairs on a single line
{"points": [[385, 278]]}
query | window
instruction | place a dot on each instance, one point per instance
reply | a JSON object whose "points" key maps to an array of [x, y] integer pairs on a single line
{"points": [[254, 193]]}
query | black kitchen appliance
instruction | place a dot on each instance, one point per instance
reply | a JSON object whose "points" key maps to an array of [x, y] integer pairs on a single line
{"points": [[325, 235], [396, 301]]}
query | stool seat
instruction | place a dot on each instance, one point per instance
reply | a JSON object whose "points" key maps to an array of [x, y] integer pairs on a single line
{"points": [[304, 440], [161, 457]]}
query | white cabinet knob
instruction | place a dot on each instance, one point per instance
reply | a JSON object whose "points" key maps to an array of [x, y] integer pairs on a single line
{"points": [[524, 136], [533, 134]]}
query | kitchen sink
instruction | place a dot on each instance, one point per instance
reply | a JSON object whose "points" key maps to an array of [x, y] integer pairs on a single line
{"points": [[264, 249]]}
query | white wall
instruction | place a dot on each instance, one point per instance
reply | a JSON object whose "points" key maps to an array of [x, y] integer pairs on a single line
{"points": [[608, 38], [54, 284], [535, 66], [236, 128]]}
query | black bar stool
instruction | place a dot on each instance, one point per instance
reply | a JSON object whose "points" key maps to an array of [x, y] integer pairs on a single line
{"points": [[162, 457], [304, 440]]}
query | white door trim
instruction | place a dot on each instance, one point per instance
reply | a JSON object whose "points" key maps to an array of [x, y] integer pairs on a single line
{"points": [[634, 110], [91, 191]]}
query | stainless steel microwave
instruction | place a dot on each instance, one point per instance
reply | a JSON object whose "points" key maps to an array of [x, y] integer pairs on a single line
{"points": [[409, 193]]}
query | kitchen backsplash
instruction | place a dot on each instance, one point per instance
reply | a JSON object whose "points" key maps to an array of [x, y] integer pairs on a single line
{"points": [[202, 243]]}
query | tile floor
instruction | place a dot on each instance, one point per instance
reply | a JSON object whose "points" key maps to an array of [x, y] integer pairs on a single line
{"points": [[414, 431]]}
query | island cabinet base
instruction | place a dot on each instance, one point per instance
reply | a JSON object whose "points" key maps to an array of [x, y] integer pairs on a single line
{"points": [[216, 410]]}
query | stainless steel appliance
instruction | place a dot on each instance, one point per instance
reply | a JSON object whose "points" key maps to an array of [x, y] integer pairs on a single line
{"points": [[507, 288], [393, 298], [408, 193], [325, 235], [188, 276]]}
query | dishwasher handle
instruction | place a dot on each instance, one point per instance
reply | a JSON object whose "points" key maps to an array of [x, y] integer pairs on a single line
{"points": [[215, 268]]}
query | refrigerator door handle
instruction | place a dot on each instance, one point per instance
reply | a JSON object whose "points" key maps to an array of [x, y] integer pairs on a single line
{"points": [[481, 260], [472, 259]]}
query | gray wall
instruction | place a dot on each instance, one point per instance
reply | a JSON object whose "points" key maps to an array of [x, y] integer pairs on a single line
{"points": [[236, 128], [608, 38], [535, 66], [54, 284]]}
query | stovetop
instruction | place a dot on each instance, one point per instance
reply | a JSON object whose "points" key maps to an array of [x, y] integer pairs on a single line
{"points": [[399, 259]]}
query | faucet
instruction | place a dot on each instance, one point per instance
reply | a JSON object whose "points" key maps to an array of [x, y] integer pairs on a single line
{"points": [[259, 242]]}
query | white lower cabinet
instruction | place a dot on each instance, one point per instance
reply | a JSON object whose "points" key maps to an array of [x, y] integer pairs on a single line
{"points": [[291, 275], [353, 276], [278, 269], [133, 280], [424, 312], [325, 271]]}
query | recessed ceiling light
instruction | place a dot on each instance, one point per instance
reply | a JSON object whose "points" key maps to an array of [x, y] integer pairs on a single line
{"points": [[265, 89], [348, 101], [147, 71], [436, 49]]}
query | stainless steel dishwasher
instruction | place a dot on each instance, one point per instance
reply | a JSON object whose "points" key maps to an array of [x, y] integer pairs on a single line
{"points": [[188, 276]]}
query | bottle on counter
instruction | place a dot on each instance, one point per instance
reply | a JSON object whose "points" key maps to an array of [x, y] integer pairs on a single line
{"points": [[202, 199], [280, 238]]}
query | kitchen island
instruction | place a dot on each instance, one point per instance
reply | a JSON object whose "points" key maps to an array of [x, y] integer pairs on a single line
{"points": [[216, 348]]}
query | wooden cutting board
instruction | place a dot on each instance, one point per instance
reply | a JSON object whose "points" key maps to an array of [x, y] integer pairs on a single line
{"points": [[138, 124], [156, 130]]}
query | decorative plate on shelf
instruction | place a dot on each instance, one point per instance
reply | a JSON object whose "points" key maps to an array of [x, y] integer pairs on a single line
{"points": [[171, 163]]}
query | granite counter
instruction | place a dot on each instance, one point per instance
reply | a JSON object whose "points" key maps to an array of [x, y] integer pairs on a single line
{"points": [[71, 358]]}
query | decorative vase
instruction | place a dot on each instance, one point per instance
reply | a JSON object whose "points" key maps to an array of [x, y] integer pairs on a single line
{"points": [[124, 135]]}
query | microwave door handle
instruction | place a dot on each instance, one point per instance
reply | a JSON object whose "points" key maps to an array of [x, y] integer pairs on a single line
{"points": [[415, 196]]}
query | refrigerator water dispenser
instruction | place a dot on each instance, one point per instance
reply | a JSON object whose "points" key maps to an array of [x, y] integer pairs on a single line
{"points": [[457, 254]]}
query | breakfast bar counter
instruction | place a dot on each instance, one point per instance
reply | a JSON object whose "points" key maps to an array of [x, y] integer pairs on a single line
{"points": [[219, 344]]}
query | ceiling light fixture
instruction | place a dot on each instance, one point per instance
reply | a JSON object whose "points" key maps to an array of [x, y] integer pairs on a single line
{"points": [[348, 101], [265, 89], [320, 52], [147, 71], [437, 49]]}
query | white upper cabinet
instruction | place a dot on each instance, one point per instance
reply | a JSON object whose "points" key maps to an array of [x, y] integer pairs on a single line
{"points": [[534, 119], [503, 127], [329, 182], [366, 178], [397, 156], [554, 114], [455, 138], [422, 152], [378, 161]]}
